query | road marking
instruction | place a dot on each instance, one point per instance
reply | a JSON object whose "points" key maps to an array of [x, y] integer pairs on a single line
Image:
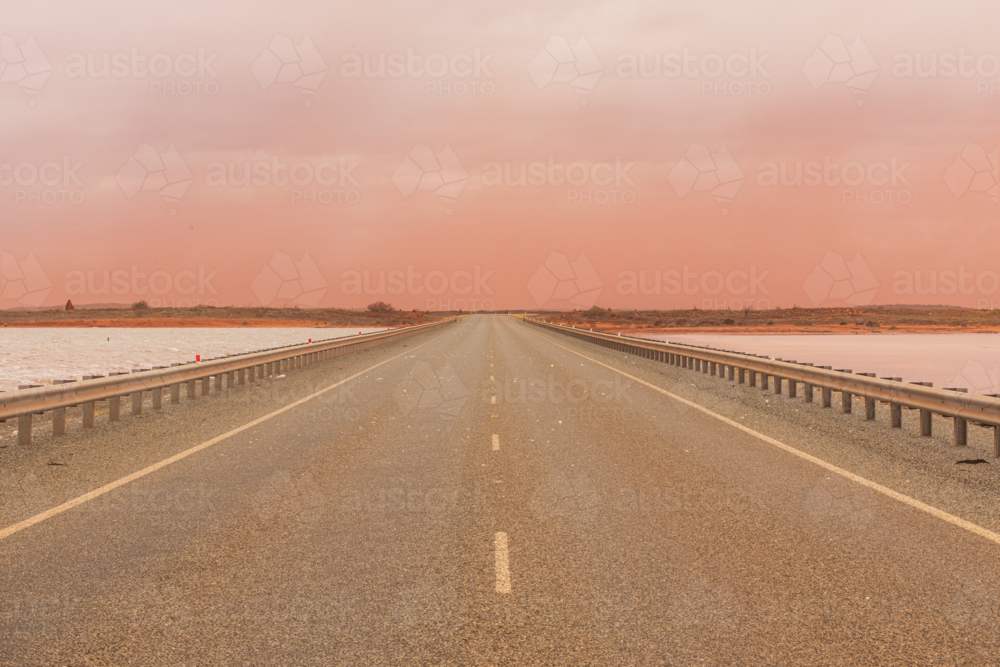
{"points": [[491, 377], [493, 400], [502, 563], [874, 486], [496, 442], [96, 493]]}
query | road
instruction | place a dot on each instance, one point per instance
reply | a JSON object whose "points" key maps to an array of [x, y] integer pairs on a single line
{"points": [[493, 493]]}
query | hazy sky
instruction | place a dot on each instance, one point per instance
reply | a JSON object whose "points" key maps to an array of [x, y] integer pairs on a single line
{"points": [[632, 155]]}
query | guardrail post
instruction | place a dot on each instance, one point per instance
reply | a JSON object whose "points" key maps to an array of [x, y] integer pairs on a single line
{"points": [[24, 429], [895, 415], [793, 388], [961, 431], [753, 377], [926, 417], [827, 397], [778, 381], [846, 399], [59, 421], [88, 408], [115, 409], [88, 415], [996, 442], [704, 367], [59, 414], [137, 402], [807, 389], [191, 393], [764, 381], [961, 424], [740, 375]]}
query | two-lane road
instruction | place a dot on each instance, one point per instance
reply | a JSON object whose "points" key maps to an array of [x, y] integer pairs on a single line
{"points": [[496, 494]]}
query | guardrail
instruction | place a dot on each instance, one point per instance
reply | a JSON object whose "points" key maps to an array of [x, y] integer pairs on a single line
{"points": [[955, 404], [236, 370]]}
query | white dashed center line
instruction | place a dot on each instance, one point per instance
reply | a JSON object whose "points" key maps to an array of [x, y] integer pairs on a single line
{"points": [[502, 564], [493, 400], [496, 442]]}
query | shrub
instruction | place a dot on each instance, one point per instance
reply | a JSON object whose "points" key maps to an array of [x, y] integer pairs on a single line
{"points": [[140, 305], [380, 307]]}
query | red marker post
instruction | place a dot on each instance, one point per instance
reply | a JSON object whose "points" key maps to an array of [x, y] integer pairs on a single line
{"points": [[197, 358]]}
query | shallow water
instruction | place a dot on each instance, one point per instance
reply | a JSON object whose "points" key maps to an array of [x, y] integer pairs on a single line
{"points": [[38, 356], [964, 360]]}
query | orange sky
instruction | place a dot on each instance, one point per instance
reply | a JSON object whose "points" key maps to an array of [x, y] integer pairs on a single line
{"points": [[389, 140]]}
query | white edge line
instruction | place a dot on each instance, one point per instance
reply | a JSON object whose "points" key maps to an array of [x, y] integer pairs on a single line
{"points": [[884, 490], [111, 486]]}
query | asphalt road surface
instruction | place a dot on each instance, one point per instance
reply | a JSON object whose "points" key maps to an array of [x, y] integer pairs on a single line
{"points": [[493, 493]]}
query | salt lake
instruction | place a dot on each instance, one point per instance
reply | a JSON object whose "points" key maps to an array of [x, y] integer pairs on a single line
{"points": [[969, 360], [40, 355]]}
